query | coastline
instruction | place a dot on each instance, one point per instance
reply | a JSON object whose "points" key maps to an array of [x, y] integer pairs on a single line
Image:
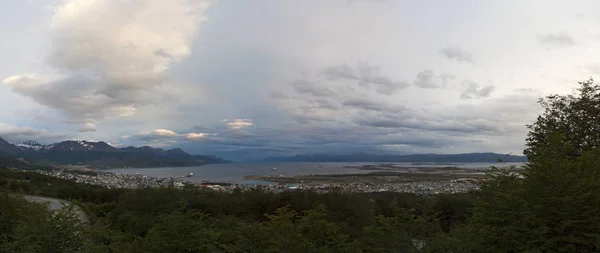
{"points": [[371, 177], [365, 178]]}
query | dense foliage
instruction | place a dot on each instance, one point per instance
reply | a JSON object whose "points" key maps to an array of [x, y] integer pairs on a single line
{"points": [[555, 206], [575, 117], [193, 220], [31, 227]]}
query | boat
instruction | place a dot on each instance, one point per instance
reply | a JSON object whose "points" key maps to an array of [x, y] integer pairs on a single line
{"points": [[190, 175]]}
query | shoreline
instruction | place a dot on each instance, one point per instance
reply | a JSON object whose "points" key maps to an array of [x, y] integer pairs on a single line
{"points": [[352, 165], [371, 177], [417, 180]]}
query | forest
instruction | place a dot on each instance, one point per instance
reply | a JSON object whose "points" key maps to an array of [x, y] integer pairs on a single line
{"points": [[553, 206]]}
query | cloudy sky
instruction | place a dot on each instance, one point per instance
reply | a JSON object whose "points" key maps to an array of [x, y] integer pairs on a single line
{"points": [[251, 79]]}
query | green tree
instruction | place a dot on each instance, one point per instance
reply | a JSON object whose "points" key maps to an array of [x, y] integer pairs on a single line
{"points": [[250, 237], [281, 228], [191, 231], [49, 232], [576, 117], [553, 208], [393, 234], [286, 231], [501, 218], [317, 234]]}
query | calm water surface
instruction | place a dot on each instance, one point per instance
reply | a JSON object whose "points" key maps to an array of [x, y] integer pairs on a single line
{"points": [[234, 172]]}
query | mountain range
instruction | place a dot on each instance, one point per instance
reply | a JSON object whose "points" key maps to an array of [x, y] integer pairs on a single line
{"points": [[364, 157], [103, 155]]}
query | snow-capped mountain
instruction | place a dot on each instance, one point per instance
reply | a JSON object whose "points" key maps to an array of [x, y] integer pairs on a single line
{"points": [[31, 146], [78, 146], [155, 151], [102, 154], [66, 146]]}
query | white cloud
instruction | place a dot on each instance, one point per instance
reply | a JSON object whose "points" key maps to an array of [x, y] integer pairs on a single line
{"points": [[238, 123], [114, 144], [241, 55], [18, 79], [108, 56], [196, 136], [88, 127], [163, 133], [165, 137]]}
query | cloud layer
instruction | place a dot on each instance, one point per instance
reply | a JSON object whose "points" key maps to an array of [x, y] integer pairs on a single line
{"points": [[108, 56], [20, 134], [365, 75], [247, 80]]}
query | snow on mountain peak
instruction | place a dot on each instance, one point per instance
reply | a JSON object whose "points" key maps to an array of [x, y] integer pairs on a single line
{"points": [[33, 145]]}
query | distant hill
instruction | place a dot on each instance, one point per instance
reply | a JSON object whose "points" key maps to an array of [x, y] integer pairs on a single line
{"points": [[7, 162], [6, 147], [363, 157], [102, 155]]}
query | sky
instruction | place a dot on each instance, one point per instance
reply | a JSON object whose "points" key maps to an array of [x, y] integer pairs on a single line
{"points": [[252, 79]]}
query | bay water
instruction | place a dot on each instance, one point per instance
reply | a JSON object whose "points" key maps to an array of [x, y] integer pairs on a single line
{"points": [[235, 172]]}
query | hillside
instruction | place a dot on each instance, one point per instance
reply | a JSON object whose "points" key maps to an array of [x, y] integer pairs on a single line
{"points": [[7, 162]]}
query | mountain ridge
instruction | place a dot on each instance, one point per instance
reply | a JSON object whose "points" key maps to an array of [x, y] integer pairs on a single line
{"points": [[428, 157], [102, 155]]}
